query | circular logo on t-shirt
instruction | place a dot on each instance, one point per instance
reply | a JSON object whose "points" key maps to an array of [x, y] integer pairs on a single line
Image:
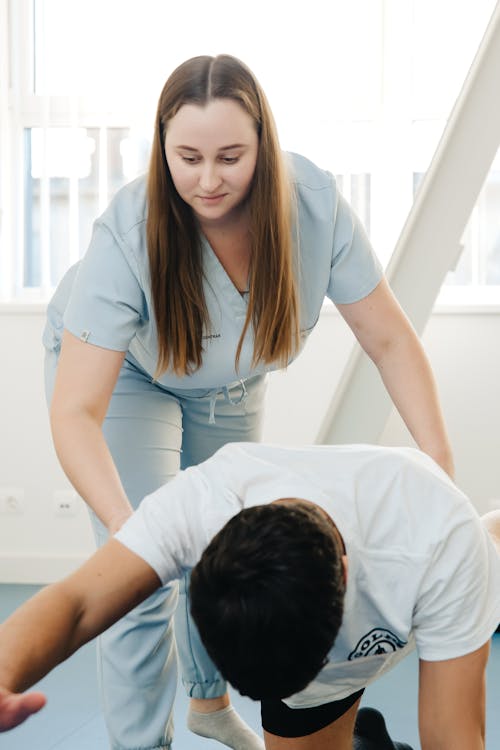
{"points": [[377, 641]]}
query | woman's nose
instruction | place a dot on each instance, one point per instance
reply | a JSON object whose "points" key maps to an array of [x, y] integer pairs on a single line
{"points": [[209, 179]]}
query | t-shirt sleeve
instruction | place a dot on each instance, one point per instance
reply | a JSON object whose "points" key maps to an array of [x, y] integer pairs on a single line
{"points": [[458, 607], [174, 524], [106, 304], [355, 268]]}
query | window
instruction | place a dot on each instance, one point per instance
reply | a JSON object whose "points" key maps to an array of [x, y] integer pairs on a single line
{"points": [[362, 88], [479, 265], [70, 173]]}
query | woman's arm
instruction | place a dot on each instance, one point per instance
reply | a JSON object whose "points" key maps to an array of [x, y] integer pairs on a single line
{"points": [[386, 335], [85, 379]]}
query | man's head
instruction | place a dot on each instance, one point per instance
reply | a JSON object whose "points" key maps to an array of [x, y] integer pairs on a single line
{"points": [[267, 597]]}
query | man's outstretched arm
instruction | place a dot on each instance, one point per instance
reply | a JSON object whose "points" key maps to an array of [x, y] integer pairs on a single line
{"points": [[452, 698], [62, 617]]}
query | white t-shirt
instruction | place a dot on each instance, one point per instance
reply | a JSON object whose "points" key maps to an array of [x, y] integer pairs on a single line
{"points": [[422, 570]]}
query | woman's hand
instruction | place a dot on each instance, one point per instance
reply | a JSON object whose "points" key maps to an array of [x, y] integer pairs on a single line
{"points": [[17, 707], [442, 455], [117, 521]]}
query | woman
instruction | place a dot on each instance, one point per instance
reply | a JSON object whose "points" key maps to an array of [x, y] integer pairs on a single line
{"points": [[196, 283]]}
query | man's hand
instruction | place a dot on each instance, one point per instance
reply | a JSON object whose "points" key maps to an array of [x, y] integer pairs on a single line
{"points": [[17, 707], [60, 618]]}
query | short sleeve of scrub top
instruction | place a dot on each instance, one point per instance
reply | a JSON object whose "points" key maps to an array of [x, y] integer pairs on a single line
{"points": [[355, 269], [106, 305], [336, 258]]}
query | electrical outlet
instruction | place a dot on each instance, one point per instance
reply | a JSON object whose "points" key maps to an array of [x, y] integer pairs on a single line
{"points": [[12, 500], [65, 503]]}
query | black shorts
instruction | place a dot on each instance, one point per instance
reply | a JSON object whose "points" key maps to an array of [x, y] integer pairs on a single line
{"points": [[282, 721]]}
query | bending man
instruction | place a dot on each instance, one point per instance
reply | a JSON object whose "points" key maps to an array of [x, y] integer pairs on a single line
{"points": [[315, 571]]}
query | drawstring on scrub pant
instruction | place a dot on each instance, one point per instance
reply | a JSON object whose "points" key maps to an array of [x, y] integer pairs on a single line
{"points": [[225, 392]]}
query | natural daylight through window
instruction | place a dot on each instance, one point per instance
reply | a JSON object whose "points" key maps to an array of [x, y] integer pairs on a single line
{"points": [[366, 100]]}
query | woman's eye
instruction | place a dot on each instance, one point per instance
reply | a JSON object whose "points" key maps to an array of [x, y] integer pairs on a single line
{"points": [[229, 159], [190, 159]]}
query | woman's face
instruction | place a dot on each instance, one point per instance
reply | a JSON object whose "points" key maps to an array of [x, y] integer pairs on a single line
{"points": [[211, 152]]}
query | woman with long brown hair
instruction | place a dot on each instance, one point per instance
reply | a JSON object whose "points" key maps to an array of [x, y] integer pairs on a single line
{"points": [[199, 279]]}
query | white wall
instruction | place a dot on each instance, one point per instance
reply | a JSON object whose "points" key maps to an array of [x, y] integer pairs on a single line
{"points": [[39, 546]]}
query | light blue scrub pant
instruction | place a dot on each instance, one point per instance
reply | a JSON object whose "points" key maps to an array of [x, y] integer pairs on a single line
{"points": [[151, 433]]}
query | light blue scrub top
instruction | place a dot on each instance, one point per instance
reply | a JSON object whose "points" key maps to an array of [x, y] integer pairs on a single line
{"points": [[105, 298]]}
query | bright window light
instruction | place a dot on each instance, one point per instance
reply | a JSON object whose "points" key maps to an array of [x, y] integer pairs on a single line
{"points": [[363, 88]]}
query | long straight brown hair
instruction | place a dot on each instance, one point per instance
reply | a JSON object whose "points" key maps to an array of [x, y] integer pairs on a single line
{"points": [[173, 239]]}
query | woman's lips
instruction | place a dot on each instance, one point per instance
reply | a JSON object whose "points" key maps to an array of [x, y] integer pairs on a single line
{"points": [[212, 198]]}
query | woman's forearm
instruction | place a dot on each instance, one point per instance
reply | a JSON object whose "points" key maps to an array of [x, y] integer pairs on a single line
{"points": [[85, 381], [87, 462], [408, 378], [387, 336]]}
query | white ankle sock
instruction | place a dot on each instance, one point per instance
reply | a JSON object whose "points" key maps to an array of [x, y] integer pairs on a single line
{"points": [[225, 726]]}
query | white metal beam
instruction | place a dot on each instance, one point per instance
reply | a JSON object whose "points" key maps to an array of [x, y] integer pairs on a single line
{"points": [[429, 244]]}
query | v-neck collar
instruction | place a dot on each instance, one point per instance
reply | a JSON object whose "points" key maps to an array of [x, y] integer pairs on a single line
{"points": [[217, 275]]}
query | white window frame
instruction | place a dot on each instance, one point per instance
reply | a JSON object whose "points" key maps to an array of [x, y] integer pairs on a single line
{"points": [[21, 109], [389, 130]]}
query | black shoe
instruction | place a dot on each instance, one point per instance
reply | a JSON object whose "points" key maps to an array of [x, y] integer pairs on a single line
{"points": [[370, 732]]}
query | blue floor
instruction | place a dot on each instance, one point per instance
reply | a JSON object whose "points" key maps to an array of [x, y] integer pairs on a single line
{"points": [[72, 721]]}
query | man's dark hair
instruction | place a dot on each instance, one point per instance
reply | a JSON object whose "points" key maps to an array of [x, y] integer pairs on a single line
{"points": [[267, 596]]}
